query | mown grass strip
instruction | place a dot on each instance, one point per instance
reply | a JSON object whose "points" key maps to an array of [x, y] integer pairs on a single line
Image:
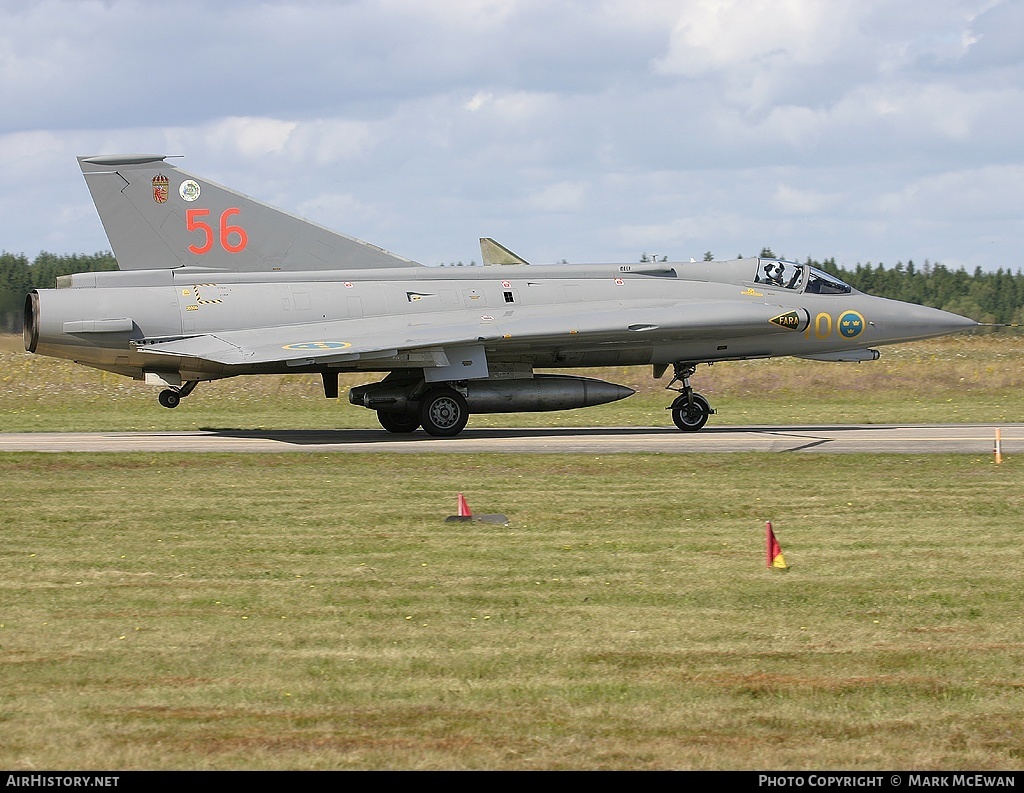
{"points": [[315, 611]]}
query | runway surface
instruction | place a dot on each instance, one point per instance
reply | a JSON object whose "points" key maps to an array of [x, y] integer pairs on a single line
{"points": [[894, 439]]}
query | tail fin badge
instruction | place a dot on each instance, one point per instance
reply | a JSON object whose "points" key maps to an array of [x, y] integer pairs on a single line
{"points": [[189, 190], [160, 188]]}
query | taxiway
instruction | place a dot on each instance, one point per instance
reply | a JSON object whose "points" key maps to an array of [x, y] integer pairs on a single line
{"points": [[838, 439]]}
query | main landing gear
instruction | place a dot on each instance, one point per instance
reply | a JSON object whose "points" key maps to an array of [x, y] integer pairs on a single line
{"points": [[171, 397], [442, 412], [690, 411], [399, 423]]}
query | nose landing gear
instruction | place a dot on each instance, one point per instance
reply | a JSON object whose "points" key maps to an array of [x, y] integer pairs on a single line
{"points": [[690, 411]]}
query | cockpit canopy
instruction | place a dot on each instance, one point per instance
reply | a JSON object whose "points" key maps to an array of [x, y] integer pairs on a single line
{"points": [[798, 277]]}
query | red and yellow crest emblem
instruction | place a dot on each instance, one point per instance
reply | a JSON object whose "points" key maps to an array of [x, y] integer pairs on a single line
{"points": [[160, 188]]}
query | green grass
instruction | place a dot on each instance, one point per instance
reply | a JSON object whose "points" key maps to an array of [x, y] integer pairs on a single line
{"points": [[316, 611], [959, 379]]}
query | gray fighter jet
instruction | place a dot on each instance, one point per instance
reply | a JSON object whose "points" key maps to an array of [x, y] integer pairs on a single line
{"points": [[214, 284]]}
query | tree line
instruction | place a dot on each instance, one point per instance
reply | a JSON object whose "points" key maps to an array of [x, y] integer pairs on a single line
{"points": [[983, 296], [990, 297], [18, 276]]}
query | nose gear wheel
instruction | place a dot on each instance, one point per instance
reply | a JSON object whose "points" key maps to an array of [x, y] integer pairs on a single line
{"points": [[690, 417], [690, 411]]}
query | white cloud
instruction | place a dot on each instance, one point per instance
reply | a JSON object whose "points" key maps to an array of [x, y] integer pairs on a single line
{"points": [[249, 137], [992, 192], [712, 35], [796, 201], [560, 197], [479, 100], [871, 129]]}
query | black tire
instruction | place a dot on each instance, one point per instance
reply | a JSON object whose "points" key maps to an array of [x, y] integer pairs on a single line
{"points": [[398, 422], [443, 413], [169, 398], [690, 418]]}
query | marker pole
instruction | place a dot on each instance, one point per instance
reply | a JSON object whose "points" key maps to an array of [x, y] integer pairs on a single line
{"points": [[999, 447]]}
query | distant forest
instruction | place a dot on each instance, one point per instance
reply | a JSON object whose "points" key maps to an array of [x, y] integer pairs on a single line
{"points": [[983, 296], [18, 276]]}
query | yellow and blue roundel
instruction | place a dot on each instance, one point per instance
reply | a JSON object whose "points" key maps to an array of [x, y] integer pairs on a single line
{"points": [[317, 345], [850, 324]]}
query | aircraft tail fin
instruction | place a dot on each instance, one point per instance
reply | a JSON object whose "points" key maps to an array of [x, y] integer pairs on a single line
{"points": [[493, 252], [158, 216]]}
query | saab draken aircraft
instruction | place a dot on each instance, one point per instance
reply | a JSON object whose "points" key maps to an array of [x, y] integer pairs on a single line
{"points": [[214, 284]]}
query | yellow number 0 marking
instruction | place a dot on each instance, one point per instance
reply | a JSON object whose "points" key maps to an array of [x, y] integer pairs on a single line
{"points": [[822, 326]]}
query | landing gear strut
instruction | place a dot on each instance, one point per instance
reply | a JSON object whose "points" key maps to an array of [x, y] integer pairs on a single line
{"points": [[690, 411], [171, 397]]}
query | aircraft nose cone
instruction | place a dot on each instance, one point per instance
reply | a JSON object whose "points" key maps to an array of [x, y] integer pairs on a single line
{"points": [[909, 322]]}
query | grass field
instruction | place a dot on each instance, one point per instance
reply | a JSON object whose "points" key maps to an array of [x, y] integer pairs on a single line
{"points": [[957, 379], [312, 611]]}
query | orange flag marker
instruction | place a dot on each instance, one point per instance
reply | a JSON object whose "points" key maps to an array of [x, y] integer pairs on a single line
{"points": [[775, 557], [466, 515]]}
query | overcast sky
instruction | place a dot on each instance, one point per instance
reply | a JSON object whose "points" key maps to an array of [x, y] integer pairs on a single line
{"points": [[868, 130]]}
